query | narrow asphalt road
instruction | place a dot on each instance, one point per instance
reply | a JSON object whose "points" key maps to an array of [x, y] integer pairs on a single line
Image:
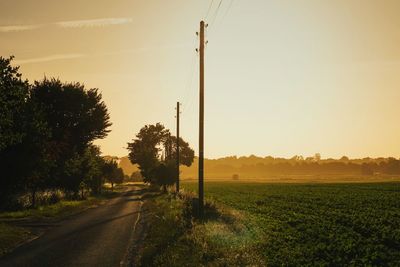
{"points": [[97, 237]]}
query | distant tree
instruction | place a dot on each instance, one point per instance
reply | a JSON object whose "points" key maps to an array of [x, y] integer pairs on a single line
{"points": [[392, 166], [136, 176], [118, 177], [163, 175], [317, 157], [186, 154], [146, 147], [297, 158], [112, 173], [92, 166], [310, 159], [154, 150], [367, 169]]}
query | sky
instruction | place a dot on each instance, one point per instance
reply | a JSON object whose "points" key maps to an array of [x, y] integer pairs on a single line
{"points": [[282, 78]]}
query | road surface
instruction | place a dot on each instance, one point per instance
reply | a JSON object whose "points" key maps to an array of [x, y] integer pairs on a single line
{"points": [[101, 236]]}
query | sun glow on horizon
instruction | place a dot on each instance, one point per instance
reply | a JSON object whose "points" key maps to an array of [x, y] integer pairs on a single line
{"points": [[283, 78]]}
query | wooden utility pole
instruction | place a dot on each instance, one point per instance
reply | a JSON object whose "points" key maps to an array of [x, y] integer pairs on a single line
{"points": [[201, 122], [177, 146]]}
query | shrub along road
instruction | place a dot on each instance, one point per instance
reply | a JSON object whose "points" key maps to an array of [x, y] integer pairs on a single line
{"points": [[103, 236]]}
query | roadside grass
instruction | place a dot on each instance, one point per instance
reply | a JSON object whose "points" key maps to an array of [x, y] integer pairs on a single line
{"points": [[11, 236], [58, 210], [175, 237], [13, 232]]}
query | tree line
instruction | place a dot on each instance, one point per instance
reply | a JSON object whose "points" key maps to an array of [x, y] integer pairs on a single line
{"points": [[47, 129], [253, 166]]}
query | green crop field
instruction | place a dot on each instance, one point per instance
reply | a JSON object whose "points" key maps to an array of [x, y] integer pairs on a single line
{"points": [[316, 224]]}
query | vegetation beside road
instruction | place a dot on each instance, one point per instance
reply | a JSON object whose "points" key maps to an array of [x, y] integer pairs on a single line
{"points": [[47, 129], [175, 237], [13, 229], [11, 236], [58, 210]]}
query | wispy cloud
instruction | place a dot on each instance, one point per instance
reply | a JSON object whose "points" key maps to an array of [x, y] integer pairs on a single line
{"points": [[110, 53], [48, 58], [19, 28], [91, 23]]}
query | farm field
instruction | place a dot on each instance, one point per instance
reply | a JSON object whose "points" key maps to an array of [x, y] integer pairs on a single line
{"points": [[316, 224]]}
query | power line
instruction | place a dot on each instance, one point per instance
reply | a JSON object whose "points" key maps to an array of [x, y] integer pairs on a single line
{"points": [[227, 10], [187, 89], [213, 24], [209, 9], [216, 13], [189, 107], [190, 72], [191, 91]]}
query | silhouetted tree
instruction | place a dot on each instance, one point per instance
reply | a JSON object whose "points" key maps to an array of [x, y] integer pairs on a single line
{"points": [[163, 175], [112, 173], [154, 150], [13, 94], [136, 176], [392, 166], [93, 165], [145, 148], [22, 132], [186, 154], [367, 169], [75, 117]]}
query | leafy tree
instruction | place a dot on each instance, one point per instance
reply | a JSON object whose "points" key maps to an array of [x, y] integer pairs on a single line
{"points": [[93, 169], [164, 175], [75, 117], [13, 94], [118, 177], [136, 177], [146, 147], [112, 173], [24, 162], [392, 166], [367, 169], [154, 150], [186, 154]]}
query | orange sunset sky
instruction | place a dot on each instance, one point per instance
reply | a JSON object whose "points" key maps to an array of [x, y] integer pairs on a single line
{"points": [[282, 77]]}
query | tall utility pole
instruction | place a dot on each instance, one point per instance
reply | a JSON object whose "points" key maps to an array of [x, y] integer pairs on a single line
{"points": [[177, 147], [201, 123]]}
